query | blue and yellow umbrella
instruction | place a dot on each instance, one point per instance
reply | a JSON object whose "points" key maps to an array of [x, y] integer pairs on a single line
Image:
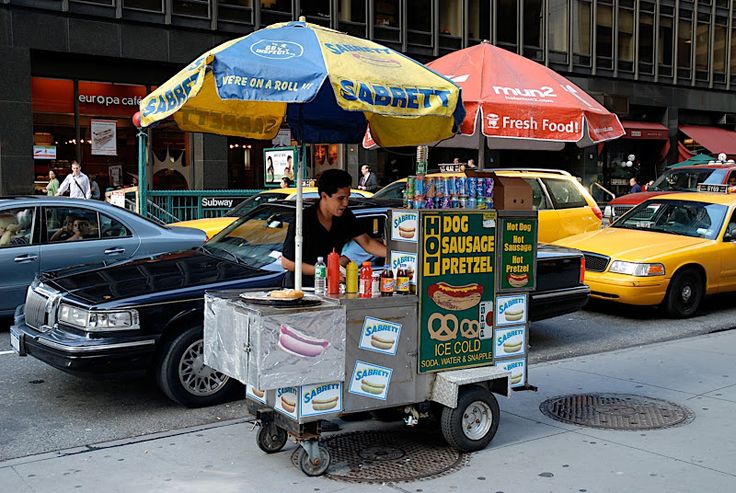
{"points": [[328, 86]]}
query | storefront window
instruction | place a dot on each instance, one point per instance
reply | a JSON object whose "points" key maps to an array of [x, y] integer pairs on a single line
{"points": [[235, 10], [386, 21], [604, 36], [149, 5], [191, 8], [702, 47], [451, 14], [719, 50], [419, 22], [108, 3], [582, 14], [479, 17], [646, 43], [558, 23], [684, 45], [317, 11], [273, 11], [625, 39], [506, 23], [664, 43], [352, 17], [533, 29]]}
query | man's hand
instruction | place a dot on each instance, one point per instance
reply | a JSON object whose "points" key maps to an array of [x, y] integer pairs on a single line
{"points": [[371, 245]]}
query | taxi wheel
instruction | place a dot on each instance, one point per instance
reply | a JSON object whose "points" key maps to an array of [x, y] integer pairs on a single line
{"points": [[184, 378], [684, 294]]}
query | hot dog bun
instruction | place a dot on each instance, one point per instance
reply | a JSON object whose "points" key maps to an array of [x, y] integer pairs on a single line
{"points": [[516, 378], [324, 404], [257, 392], [287, 294], [518, 280], [514, 313], [372, 387], [288, 402], [512, 346], [382, 342], [408, 229], [456, 298]]}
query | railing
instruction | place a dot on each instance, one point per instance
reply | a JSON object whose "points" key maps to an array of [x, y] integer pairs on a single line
{"points": [[185, 205]]}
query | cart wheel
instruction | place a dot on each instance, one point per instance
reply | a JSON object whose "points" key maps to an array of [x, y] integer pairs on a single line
{"points": [[271, 438], [473, 423], [317, 467]]}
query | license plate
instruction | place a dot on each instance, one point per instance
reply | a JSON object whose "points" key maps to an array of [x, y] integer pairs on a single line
{"points": [[15, 342]]}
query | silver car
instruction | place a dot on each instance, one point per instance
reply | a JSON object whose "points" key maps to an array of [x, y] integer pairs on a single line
{"points": [[39, 233]]}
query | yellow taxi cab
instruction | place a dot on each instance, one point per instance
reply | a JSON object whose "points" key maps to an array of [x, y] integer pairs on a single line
{"points": [[213, 225], [565, 207], [671, 250]]}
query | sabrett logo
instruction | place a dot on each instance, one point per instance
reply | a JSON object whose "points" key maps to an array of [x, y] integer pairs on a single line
{"points": [[509, 304], [171, 99], [322, 388], [404, 218], [372, 329], [509, 335], [285, 390], [403, 97], [361, 374]]}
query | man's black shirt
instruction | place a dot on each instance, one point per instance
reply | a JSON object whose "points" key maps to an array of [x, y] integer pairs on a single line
{"points": [[317, 241]]}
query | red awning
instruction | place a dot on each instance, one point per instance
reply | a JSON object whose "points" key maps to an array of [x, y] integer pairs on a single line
{"points": [[715, 139], [644, 130]]}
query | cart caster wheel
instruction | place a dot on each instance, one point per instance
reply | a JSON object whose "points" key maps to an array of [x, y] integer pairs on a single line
{"points": [[473, 423], [315, 467], [271, 438]]}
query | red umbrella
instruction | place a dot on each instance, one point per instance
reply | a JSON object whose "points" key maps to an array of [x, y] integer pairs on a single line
{"points": [[521, 100]]}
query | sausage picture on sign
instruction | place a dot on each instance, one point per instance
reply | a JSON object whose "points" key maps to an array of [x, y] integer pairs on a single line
{"points": [[456, 298]]}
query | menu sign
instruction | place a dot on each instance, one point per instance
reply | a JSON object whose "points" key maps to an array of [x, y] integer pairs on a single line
{"points": [[518, 251], [456, 289]]}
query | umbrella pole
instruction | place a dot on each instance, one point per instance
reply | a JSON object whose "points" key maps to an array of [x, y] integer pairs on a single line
{"points": [[299, 221], [481, 147]]}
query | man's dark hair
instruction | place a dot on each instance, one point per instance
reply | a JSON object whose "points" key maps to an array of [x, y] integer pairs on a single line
{"points": [[331, 180]]}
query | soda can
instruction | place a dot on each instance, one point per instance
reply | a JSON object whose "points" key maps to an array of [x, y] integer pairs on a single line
{"points": [[480, 191], [454, 202], [472, 187], [460, 183], [472, 203], [418, 203], [489, 203], [445, 202], [489, 187], [429, 203], [410, 187], [440, 187], [419, 188], [429, 188], [451, 186], [463, 202], [410, 204], [480, 203]]}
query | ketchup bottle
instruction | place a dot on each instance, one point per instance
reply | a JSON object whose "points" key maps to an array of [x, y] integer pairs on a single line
{"points": [[366, 281], [333, 273]]}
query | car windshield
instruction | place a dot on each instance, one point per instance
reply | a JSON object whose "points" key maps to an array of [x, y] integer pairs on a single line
{"points": [[679, 217], [255, 239], [686, 180], [393, 191], [253, 202]]}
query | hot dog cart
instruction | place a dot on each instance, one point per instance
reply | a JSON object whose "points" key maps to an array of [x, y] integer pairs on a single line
{"points": [[442, 351]]}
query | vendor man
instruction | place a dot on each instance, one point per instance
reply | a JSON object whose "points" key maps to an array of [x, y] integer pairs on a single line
{"points": [[327, 224]]}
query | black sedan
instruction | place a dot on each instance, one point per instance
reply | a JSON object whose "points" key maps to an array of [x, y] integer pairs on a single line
{"points": [[147, 315]]}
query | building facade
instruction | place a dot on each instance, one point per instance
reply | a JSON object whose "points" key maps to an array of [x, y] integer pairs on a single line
{"points": [[72, 71]]}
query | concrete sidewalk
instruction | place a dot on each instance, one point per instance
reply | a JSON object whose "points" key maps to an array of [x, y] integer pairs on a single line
{"points": [[529, 453]]}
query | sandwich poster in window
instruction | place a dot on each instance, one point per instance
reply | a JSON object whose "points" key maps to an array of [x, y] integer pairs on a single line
{"points": [[104, 137], [278, 163], [456, 289], [518, 253]]}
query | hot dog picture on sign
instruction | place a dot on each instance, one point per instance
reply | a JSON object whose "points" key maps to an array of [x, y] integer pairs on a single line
{"points": [[457, 290]]}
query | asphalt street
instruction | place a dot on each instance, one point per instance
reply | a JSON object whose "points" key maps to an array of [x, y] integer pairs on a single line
{"points": [[47, 410]]}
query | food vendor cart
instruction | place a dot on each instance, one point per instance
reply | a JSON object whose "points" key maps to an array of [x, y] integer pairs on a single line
{"points": [[442, 351]]}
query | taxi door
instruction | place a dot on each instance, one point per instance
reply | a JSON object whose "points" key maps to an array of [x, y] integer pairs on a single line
{"points": [[728, 255], [549, 219]]}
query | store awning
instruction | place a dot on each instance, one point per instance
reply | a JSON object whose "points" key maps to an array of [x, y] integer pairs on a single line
{"points": [[644, 130], [715, 139]]}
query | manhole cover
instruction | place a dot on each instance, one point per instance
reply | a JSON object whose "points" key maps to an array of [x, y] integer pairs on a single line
{"points": [[389, 456], [616, 411]]}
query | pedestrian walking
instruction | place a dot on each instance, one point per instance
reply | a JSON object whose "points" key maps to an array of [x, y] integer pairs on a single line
{"points": [[53, 184], [77, 183], [94, 187], [635, 187], [368, 180]]}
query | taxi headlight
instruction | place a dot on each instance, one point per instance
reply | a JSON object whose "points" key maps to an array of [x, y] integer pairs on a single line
{"points": [[93, 321], [638, 270]]}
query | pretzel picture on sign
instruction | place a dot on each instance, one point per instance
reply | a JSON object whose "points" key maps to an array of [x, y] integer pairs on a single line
{"points": [[446, 329], [470, 328]]}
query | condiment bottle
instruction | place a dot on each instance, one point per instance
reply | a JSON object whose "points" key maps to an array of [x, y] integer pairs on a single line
{"points": [[320, 277], [351, 278], [387, 282], [333, 273], [366, 281], [402, 280]]}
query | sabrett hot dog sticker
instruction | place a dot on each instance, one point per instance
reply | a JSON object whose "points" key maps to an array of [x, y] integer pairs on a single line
{"points": [[380, 336], [404, 226], [511, 310], [287, 401], [370, 380], [517, 367], [323, 398], [509, 342], [255, 394]]}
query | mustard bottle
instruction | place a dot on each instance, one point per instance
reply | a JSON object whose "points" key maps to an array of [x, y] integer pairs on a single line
{"points": [[351, 278]]}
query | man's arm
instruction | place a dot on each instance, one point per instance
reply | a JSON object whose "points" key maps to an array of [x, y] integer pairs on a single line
{"points": [[290, 265], [88, 189], [64, 187], [371, 245]]}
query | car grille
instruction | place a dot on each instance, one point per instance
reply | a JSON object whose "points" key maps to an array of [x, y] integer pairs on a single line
{"points": [[40, 307], [595, 262], [620, 210]]}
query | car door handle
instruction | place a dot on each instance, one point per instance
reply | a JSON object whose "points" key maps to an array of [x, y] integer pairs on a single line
{"points": [[114, 251], [24, 259]]}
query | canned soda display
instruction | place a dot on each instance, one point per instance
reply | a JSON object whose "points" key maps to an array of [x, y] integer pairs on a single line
{"points": [[460, 184], [451, 186], [410, 187], [429, 187], [489, 203], [419, 188], [472, 203], [489, 187], [463, 202], [454, 202], [439, 187], [429, 203], [472, 187], [445, 202], [480, 190]]}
